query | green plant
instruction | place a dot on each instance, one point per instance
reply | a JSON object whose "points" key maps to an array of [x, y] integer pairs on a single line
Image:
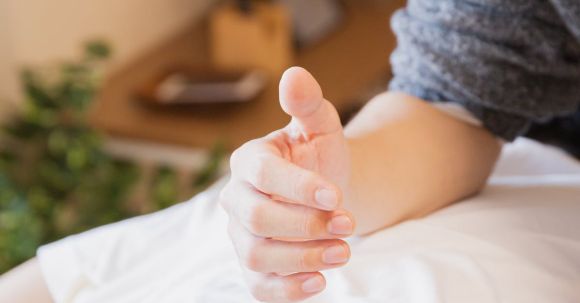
{"points": [[164, 191], [55, 177]]}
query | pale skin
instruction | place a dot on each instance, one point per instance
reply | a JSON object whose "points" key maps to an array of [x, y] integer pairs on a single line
{"points": [[294, 194], [24, 284]]}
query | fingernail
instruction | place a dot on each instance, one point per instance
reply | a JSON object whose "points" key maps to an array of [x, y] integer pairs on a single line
{"points": [[335, 255], [326, 198], [312, 285], [340, 225]]}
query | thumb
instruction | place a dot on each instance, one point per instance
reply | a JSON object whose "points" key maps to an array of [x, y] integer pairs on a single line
{"points": [[301, 97]]}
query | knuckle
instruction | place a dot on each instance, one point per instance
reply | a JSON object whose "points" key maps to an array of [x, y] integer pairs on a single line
{"points": [[252, 258], [239, 155], [256, 221], [260, 172], [228, 195], [306, 223], [237, 240]]}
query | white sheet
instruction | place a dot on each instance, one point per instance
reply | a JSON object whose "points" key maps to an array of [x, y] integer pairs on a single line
{"points": [[519, 241]]}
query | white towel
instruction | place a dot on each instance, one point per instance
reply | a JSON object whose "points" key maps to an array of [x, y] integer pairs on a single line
{"points": [[518, 241]]}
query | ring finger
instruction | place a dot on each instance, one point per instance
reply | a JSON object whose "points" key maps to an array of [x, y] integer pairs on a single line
{"points": [[274, 256]]}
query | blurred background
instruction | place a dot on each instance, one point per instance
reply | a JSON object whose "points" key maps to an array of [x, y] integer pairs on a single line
{"points": [[112, 109]]}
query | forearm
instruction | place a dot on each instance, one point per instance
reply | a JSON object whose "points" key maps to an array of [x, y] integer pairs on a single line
{"points": [[410, 159], [24, 284]]}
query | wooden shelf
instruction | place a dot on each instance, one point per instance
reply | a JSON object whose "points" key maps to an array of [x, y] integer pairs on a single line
{"points": [[345, 64]]}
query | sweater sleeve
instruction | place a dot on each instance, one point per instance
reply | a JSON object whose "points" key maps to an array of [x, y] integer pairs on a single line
{"points": [[510, 63]]}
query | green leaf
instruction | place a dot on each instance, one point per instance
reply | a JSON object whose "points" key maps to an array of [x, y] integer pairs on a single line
{"points": [[37, 95], [164, 188], [210, 171], [97, 50]]}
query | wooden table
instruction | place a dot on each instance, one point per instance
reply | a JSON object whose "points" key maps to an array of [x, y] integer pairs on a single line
{"points": [[345, 64]]}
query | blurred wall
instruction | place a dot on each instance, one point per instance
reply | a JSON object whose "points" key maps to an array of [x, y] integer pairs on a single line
{"points": [[8, 85], [37, 31]]}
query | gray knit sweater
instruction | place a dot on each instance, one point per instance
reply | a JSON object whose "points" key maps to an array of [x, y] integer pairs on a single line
{"points": [[509, 62]]}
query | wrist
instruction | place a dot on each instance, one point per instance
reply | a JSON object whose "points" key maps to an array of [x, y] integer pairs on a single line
{"points": [[409, 159]]}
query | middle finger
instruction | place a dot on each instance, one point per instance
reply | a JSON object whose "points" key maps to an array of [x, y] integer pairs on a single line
{"points": [[274, 256], [267, 218]]}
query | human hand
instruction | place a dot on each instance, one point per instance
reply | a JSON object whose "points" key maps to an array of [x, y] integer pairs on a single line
{"points": [[285, 194]]}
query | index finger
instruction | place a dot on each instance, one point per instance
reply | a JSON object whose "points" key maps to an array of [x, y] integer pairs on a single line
{"points": [[268, 172]]}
